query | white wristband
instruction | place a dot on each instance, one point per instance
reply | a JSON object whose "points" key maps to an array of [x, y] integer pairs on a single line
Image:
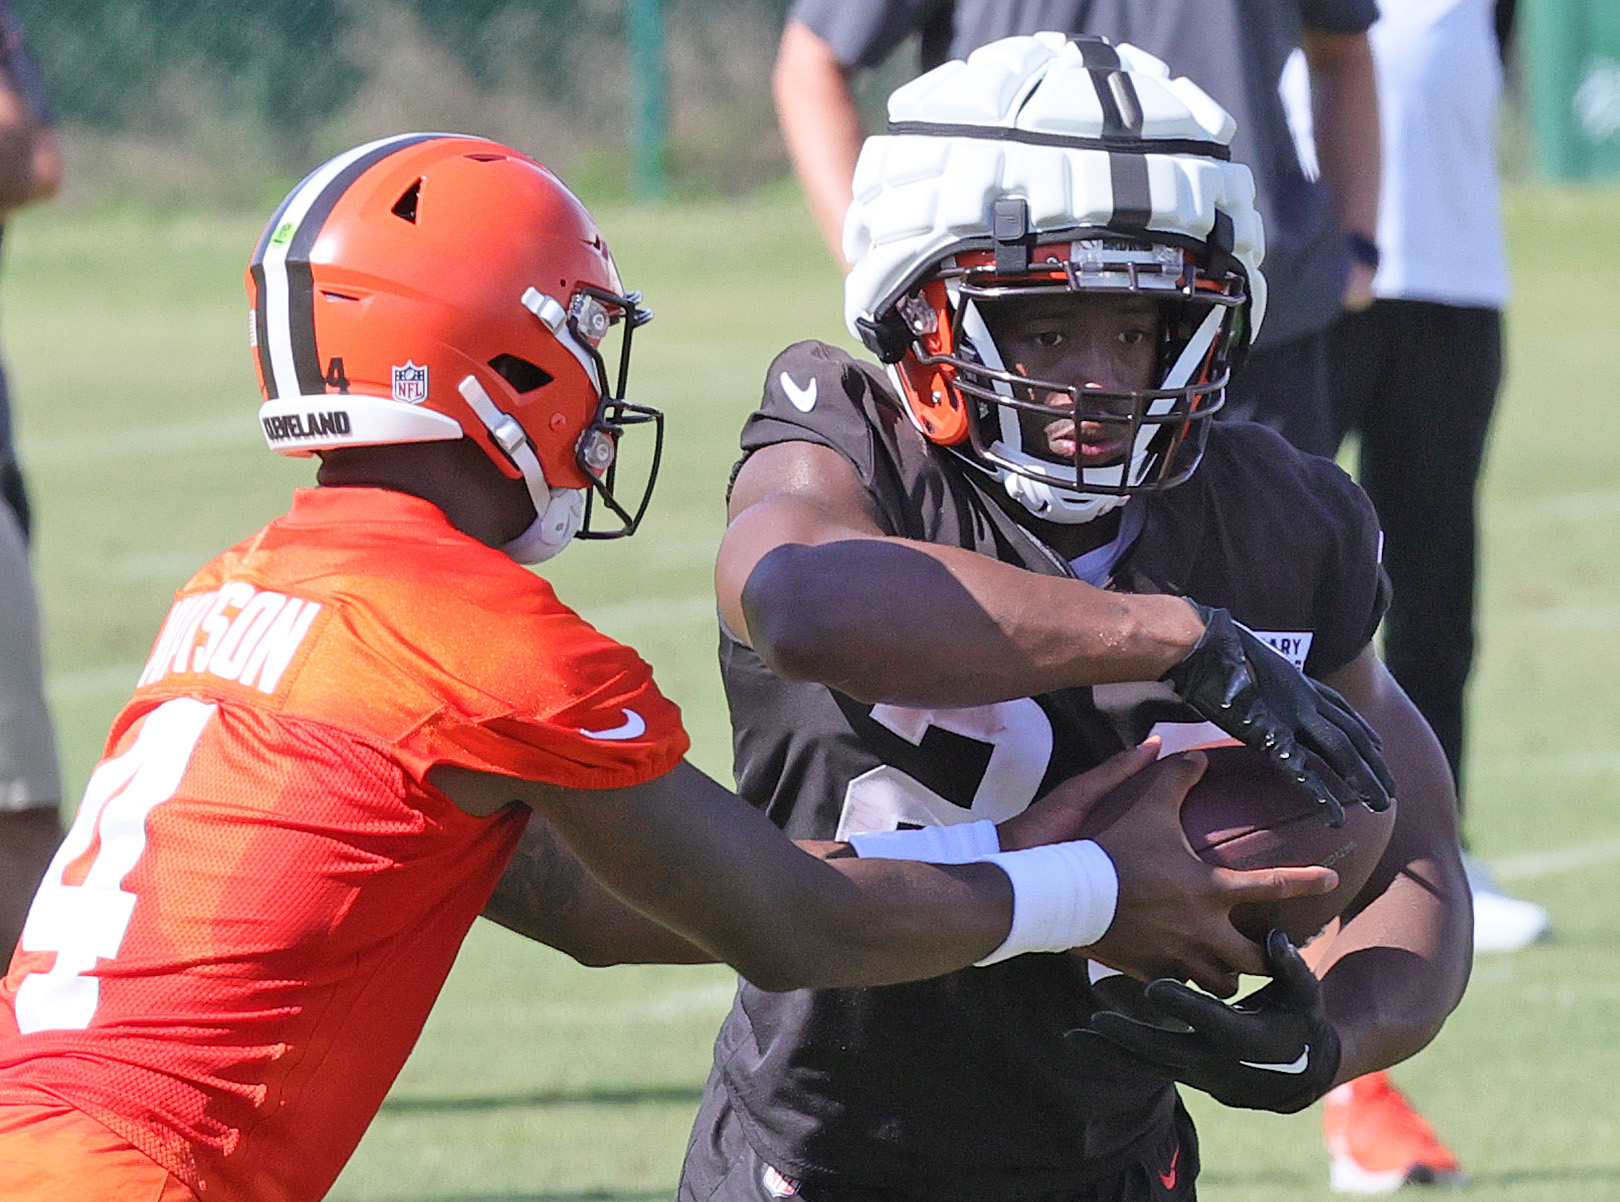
{"points": [[1064, 896], [959, 843]]}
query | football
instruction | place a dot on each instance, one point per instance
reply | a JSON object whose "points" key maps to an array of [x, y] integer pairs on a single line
{"points": [[1243, 813]]}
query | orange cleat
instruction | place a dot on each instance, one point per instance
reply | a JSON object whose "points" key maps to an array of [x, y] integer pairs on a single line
{"points": [[1378, 1143]]}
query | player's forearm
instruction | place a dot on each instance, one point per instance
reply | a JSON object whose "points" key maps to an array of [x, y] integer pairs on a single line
{"points": [[685, 852], [16, 167], [820, 127], [546, 895], [30, 161], [1398, 966], [927, 625], [1344, 114], [912, 921]]}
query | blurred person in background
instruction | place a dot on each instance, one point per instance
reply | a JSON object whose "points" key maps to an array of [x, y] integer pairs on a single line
{"points": [[1416, 376], [30, 780], [1320, 247]]}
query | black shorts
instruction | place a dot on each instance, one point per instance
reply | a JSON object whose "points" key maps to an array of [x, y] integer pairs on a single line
{"points": [[721, 1166]]}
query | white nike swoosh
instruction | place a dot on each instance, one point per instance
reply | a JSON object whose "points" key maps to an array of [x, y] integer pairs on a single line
{"points": [[804, 399], [1298, 1066], [634, 727]]}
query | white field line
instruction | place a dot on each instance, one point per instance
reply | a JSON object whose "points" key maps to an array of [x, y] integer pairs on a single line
{"points": [[1532, 865], [1592, 505], [1598, 617]]}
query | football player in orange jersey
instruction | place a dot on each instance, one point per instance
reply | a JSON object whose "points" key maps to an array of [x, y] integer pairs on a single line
{"points": [[348, 718]]}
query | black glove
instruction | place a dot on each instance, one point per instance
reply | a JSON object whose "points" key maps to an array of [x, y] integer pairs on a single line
{"points": [[1274, 1050], [1310, 732]]}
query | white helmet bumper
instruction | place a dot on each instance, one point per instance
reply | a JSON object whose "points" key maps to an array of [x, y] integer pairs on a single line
{"points": [[1045, 164]]}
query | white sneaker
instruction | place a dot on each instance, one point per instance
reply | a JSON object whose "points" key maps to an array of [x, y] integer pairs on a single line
{"points": [[1502, 923]]}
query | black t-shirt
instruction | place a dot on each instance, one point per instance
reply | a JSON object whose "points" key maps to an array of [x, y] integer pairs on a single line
{"points": [[962, 1087]]}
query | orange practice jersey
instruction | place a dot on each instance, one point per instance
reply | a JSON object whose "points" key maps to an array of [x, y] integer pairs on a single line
{"points": [[241, 938]]}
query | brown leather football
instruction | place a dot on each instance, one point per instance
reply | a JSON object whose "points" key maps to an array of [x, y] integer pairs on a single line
{"points": [[1243, 813]]}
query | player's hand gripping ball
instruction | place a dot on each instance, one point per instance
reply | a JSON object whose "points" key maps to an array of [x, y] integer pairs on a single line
{"points": [[1310, 732], [1244, 814], [1273, 1050]]}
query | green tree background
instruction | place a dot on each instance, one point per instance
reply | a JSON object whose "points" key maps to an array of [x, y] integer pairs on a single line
{"points": [[157, 98]]}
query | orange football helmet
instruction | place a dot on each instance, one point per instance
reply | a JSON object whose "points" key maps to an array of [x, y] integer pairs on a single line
{"points": [[430, 287]]}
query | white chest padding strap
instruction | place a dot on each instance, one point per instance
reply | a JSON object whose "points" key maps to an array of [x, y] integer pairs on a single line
{"points": [[558, 511], [959, 843]]}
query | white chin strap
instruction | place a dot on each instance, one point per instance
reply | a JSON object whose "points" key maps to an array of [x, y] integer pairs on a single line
{"points": [[552, 529], [1057, 496], [1052, 503], [558, 511]]}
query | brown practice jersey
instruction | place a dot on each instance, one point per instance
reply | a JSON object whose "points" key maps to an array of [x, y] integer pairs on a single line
{"points": [[240, 940], [963, 1087]]}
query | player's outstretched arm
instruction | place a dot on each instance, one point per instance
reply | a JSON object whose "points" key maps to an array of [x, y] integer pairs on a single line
{"points": [[546, 895], [807, 576], [1399, 962], [809, 579], [689, 854], [599, 874]]}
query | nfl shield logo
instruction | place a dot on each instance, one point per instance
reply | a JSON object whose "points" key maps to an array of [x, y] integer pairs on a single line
{"points": [[410, 383]]}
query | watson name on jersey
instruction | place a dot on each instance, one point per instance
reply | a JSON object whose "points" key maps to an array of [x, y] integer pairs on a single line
{"points": [[239, 942]]}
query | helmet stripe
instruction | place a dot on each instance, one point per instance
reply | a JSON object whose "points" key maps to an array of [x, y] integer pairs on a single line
{"points": [[285, 314], [1132, 192], [1121, 118], [261, 327], [1120, 143], [1121, 111], [1096, 53]]}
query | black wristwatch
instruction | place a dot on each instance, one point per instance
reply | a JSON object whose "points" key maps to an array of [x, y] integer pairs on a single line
{"points": [[1362, 249]]}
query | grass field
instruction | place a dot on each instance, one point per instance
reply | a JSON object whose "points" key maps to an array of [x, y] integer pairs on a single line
{"points": [[537, 1079]]}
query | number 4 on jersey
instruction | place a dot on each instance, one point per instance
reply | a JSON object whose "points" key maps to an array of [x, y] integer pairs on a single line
{"points": [[84, 922]]}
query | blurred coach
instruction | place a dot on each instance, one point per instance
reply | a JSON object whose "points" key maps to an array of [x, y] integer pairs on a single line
{"points": [[30, 785]]}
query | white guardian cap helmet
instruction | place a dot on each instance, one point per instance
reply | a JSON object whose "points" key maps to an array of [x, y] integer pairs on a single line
{"points": [[1052, 165]]}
